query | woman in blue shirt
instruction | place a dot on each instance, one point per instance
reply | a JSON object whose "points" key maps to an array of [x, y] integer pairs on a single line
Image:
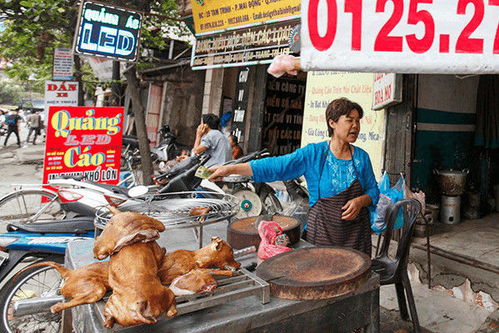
{"points": [[339, 176]]}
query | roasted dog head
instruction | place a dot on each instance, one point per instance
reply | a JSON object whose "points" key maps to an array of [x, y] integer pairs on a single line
{"points": [[134, 309], [196, 281], [124, 229], [218, 253]]}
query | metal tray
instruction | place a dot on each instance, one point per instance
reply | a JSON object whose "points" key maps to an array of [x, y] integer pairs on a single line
{"points": [[229, 289]]}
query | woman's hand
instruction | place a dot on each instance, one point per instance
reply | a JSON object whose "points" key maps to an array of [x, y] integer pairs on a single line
{"points": [[351, 209], [219, 172]]}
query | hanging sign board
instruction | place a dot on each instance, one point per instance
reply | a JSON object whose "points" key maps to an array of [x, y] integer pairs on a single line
{"points": [[214, 16], [251, 46], [83, 141], [106, 31], [63, 65], [61, 93], [324, 86], [244, 76], [401, 36], [387, 90]]}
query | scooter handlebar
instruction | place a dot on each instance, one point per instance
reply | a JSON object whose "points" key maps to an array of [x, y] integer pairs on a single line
{"points": [[249, 157]]}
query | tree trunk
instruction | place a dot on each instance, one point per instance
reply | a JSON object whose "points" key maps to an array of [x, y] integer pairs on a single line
{"points": [[78, 77], [140, 123], [115, 85]]}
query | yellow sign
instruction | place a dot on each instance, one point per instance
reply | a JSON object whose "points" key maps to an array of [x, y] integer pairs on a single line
{"points": [[216, 15], [322, 88]]}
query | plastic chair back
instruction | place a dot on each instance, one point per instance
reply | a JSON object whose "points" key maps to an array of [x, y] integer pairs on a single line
{"points": [[411, 208]]}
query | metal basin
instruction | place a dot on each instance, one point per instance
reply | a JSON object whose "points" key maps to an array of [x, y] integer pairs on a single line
{"points": [[451, 182]]}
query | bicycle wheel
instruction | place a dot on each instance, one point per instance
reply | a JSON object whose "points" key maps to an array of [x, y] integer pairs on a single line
{"points": [[26, 206], [34, 282]]}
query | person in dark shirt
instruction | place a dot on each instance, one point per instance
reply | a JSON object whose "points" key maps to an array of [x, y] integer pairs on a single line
{"points": [[237, 151], [12, 122]]}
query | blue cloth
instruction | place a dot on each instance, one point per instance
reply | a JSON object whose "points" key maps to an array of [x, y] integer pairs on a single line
{"points": [[337, 174]]}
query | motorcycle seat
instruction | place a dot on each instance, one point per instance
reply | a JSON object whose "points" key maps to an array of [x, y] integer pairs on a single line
{"points": [[113, 188], [78, 225]]}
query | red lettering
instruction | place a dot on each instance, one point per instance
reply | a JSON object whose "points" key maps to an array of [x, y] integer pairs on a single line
{"points": [[464, 43], [383, 41], [496, 41], [424, 44], [325, 42], [355, 7], [52, 87]]}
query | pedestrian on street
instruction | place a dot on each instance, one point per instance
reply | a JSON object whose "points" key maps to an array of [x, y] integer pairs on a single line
{"points": [[237, 151], [12, 121], [34, 123], [339, 176], [210, 140]]}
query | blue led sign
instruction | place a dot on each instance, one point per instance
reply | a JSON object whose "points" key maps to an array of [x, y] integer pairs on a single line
{"points": [[107, 31]]}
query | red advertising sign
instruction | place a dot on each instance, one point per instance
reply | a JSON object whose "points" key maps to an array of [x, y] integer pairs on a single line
{"points": [[83, 141]]}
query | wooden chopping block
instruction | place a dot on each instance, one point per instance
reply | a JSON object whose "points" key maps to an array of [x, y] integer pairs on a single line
{"points": [[315, 273], [243, 233]]}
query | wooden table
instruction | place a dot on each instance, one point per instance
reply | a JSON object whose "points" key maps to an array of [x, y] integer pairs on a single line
{"points": [[342, 314]]}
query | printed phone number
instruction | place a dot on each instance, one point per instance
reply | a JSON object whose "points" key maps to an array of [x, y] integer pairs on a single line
{"points": [[473, 11]]}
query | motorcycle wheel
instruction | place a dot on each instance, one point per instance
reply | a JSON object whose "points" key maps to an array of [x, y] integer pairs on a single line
{"points": [[270, 204], [21, 206], [34, 282]]}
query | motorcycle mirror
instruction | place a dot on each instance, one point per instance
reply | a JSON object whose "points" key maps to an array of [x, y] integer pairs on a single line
{"points": [[138, 191]]}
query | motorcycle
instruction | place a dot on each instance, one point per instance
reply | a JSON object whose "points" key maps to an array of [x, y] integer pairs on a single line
{"points": [[255, 198], [83, 198], [37, 287], [167, 149]]}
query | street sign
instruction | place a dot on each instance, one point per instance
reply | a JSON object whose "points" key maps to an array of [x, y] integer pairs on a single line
{"points": [[212, 16], [63, 65], [401, 36], [61, 93], [250, 46], [83, 141], [107, 31], [387, 90]]}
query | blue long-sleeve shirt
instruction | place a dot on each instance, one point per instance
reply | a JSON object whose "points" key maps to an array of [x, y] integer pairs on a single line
{"points": [[337, 174]]}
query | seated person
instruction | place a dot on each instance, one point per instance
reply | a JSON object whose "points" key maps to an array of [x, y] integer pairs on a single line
{"points": [[237, 151]]}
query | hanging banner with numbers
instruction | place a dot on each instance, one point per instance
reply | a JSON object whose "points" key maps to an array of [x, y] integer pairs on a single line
{"points": [[401, 36]]}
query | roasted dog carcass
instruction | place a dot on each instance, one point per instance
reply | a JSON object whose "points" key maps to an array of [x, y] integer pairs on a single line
{"points": [[87, 284], [138, 295], [198, 280], [179, 262], [126, 228]]}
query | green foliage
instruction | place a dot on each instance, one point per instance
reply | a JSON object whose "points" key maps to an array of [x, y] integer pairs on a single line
{"points": [[10, 92], [33, 28]]}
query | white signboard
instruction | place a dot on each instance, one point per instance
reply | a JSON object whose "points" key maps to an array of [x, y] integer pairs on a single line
{"points": [[64, 93], [401, 36], [63, 65], [387, 90]]}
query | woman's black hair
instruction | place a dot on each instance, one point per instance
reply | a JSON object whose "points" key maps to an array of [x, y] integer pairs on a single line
{"points": [[234, 139], [339, 107], [211, 120]]}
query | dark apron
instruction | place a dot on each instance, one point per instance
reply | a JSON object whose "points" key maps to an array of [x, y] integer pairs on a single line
{"points": [[326, 228]]}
